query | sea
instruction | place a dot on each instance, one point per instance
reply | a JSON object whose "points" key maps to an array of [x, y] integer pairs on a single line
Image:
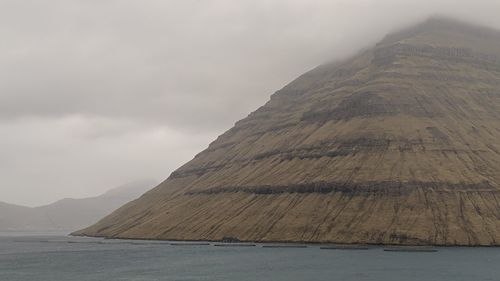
{"points": [[54, 257]]}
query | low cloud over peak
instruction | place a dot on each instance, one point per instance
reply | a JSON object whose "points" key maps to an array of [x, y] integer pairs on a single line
{"points": [[97, 93]]}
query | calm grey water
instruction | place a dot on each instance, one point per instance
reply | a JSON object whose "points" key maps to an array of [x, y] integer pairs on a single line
{"points": [[53, 258]]}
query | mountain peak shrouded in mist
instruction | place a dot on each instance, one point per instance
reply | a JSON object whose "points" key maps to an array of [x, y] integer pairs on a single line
{"points": [[69, 214], [440, 30], [131, 189], [397, 145]]}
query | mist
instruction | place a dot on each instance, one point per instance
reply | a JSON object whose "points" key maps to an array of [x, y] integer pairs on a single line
{"points": [[94, 94]]}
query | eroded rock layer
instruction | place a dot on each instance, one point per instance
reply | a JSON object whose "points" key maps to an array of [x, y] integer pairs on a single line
{"points": [[398, 145]]}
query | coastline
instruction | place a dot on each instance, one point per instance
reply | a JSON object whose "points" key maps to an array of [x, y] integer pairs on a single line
{"points": [[282, 242]]}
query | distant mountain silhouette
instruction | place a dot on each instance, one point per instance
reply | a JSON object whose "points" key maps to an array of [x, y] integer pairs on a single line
{"points": [[69, 214]]}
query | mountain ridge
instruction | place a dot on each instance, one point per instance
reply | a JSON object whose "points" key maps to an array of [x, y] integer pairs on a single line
{"points": [[69, 214], [396, 145]]}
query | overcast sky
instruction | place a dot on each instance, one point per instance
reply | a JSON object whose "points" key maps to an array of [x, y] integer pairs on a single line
{"points": [[97, 93]]}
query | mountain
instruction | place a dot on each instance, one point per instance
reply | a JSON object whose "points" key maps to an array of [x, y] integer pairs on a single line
{"points": [[19, 218], [69, 214], [399, 144]]}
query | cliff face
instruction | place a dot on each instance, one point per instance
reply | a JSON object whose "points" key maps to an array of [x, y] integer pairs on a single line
{"points": [[399, 145]]}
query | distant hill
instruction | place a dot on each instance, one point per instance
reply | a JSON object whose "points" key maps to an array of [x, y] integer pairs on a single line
{"points": [[19, 218], [69, 214]]}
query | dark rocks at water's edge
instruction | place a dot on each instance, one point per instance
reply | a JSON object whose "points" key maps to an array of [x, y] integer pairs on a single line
{"points": [[189, 244], [345, 247], [235, 245], [411, 249], [281, 246]]}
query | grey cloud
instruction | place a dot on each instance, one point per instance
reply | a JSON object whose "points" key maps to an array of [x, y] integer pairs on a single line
{"points": [[94, 93]]}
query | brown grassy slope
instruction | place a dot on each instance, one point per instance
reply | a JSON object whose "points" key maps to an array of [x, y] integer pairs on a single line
{"points": [[400, 144]]}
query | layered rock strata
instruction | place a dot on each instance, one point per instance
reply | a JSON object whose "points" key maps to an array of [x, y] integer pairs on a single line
{"points": [[397, 145]]}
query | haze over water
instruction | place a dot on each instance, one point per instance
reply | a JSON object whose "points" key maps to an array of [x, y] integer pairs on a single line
{"points": [[48, 258]]}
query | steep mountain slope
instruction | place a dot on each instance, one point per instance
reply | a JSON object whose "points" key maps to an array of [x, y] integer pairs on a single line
{"points": [[69, 214], [398, 145]]}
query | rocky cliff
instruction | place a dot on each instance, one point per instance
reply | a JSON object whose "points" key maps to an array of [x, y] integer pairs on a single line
{"points": [[397, 145]]}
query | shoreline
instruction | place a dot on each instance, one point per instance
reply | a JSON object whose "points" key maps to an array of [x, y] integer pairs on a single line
{"points": [[307, 243]]}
